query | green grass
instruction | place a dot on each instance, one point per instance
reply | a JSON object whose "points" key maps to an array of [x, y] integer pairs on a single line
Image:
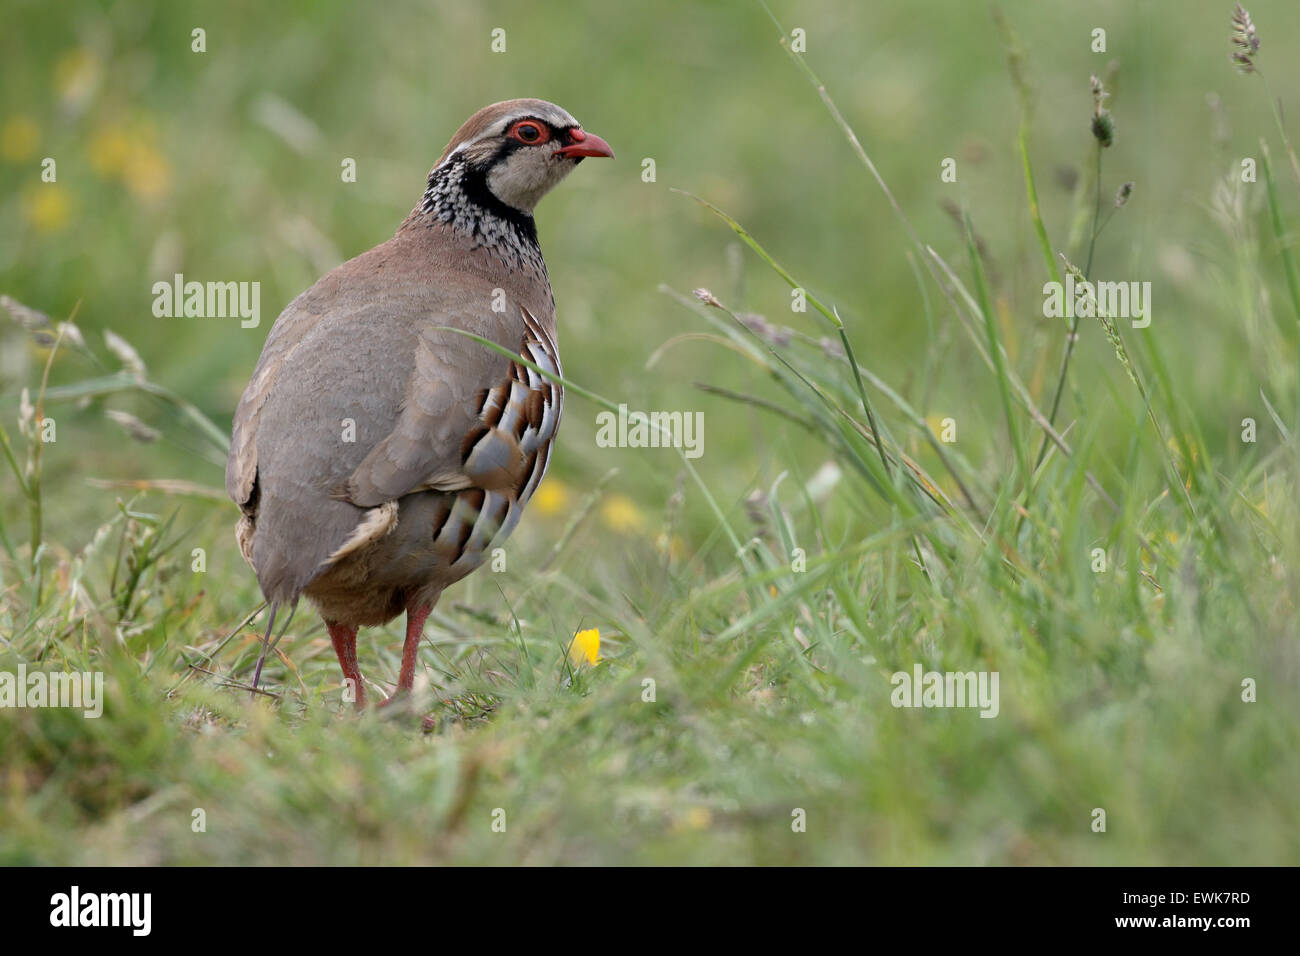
{"points": [[828, 537]]}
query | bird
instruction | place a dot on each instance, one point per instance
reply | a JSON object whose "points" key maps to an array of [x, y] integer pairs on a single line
{"points": [[380, 453]]}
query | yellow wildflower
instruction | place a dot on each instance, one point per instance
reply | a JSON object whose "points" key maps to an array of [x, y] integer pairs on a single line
{"points": [[551, 498], [46, 207], [943, 427], [148, 174], [131, 155], [694, 819], [620, 513], [76, 76], [110, 149], [674, 546], [585, 647]]}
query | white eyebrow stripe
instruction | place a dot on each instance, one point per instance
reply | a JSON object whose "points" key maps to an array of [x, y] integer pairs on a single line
{"points": [[510, 121], [500, 127], [562, 121]]}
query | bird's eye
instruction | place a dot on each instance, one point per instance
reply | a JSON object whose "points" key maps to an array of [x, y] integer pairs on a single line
{"points": [[528, 132]]}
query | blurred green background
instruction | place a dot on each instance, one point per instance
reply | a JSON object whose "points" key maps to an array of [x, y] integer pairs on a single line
{"points": [[226, 166]]}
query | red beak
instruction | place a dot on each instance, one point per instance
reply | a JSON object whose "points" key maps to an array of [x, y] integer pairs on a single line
{"points": [[584, 144]]}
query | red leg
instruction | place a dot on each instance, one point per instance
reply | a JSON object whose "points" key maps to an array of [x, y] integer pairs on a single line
{"points": [[344, 637], [415, 616]]}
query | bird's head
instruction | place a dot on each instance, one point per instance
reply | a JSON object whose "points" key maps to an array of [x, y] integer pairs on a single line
{"points": [[522, 149]]}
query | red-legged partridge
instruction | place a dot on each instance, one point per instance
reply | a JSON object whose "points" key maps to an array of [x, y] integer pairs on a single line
{"points": [[378, 458]]}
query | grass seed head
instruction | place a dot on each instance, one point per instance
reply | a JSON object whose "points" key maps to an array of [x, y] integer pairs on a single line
{"points": [[1244, 39], [1103, 126]]}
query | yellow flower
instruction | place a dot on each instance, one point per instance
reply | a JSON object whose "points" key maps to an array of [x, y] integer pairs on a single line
{"points": [[674, 546], [698, 818], [620, 513], [19, 138], [585, 647], [110, 149], [131, 156], [694, 819], [936, 423], [46, 207], [148, 174], [76, 76], [551, 498]]}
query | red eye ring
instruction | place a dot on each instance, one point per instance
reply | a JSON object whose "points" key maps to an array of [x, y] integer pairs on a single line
{"points": [[530, 132]]}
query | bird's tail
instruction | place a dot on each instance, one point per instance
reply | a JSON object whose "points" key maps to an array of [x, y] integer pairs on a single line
{"points": [[267, 644]]}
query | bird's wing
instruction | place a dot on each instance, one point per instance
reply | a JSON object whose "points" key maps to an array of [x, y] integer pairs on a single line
{"points": [[360, 397], [348, 350], [241, 465], [428, 408], [470, 418]]}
